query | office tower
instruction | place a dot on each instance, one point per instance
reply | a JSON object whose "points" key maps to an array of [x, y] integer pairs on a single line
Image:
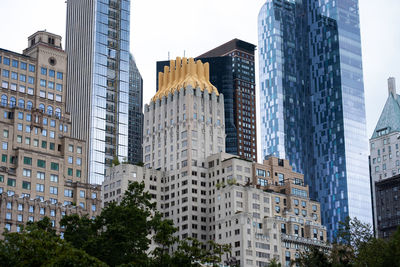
{"points": [[97, 45], [274, 220], [42, 169], [135, 120], [312, 101], [385, 161], [183, 124], [232, 72]]}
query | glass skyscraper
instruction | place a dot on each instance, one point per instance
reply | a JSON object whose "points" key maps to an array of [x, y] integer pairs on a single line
{"points": [[97, 44], [135, 124], [312, 101]]}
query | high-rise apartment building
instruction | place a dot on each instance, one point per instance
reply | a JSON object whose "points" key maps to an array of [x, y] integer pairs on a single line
{"points": [[385, 162], [135, 120], [97, 45], [232, 71], [272, 218], [42, 168], [312, 101], [183, 125]]}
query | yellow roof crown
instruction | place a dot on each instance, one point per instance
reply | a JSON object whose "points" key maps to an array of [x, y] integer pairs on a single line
{"points": [[180, 74]]}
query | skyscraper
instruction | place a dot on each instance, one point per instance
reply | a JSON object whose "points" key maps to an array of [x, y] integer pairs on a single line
{"points": [[312, 101], [135, 122], [385, 164], [232, 72], [97, 44], [239, 96]]}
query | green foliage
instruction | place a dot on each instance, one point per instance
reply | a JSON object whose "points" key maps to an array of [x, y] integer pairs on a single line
{"points": [[357, 247], [115, 161], [38, 245], [274, 263], [119, 235]]}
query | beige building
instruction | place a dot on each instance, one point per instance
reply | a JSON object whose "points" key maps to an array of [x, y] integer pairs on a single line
{"points": [[39, 160]]}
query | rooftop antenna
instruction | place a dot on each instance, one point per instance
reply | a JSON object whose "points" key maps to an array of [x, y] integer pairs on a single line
{"points": [[168, 56], [184, 53]]}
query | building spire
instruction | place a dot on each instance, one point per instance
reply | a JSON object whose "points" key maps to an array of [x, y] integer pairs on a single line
{"points": [[392, 86]]}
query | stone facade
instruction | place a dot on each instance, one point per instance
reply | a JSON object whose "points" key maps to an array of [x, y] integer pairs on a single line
{"points": [[228, 206], [39, 159]]}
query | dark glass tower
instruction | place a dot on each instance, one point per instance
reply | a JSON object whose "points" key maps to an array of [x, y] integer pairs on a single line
{"points": [[232, 72], [135, 122], [312, 101]]}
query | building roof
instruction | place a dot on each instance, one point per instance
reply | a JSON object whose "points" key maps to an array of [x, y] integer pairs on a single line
{"points": [[390, 116], [182, 73], [230, 46]]}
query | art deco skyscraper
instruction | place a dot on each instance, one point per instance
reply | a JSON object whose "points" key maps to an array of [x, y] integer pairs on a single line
{"points": [[232, 72], [312, 101], [135, 123], [97, 44]]}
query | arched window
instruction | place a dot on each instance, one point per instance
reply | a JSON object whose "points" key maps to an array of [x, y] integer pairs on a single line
{"points": [[50, 110], [13, 102], [41, 107], [4, 100], [58, 112], [21, 103], [29, 105]]}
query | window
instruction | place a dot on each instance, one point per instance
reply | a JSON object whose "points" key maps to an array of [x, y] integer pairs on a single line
{"points": [[93, 207], [31, 68], [68, 193], [54, 178], [59, 87], [79, 150], [52, 73], [15, 63], [42, 83], [5, 145], [26, 172], [43, 71], [26, 185], [78, 173], [70, 160], [70, 171], [78, 161], [44, 144], [40, 175], [23, 66], [54, 166], [41, 163], [59, 75], [11, 182], [27, 161], [54, 190], [39, 187]]}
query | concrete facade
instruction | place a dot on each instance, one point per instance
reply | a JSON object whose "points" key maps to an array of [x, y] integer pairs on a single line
{"points": [[385, 151], [39, 159]]}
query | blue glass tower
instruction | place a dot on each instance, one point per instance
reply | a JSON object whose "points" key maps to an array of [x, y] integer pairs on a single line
{"points": [[312, 101], [97, 44]]}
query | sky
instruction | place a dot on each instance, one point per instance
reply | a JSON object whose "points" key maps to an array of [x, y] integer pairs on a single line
{"points": [[192, 27]]}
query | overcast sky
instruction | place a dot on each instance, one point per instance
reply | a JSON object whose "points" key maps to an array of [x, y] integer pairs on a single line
{"points": [[196, 26]]}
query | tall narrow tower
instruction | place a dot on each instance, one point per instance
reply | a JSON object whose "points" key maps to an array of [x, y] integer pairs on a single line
{"points": [[97, 44], [312, 101], [183, 125]]}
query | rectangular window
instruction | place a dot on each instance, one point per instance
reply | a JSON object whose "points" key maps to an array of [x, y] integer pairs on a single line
{"points": [[23, 66], [11, 182], [51, 73], [78, 173], [31, 80], [54, 178], [40, 175], [39, 187], [41, 163], [43, 71], [54, 166], [54, 190], [31, 68], [70, 171], [68, 193], [15, 63], [6, 61], [59, 75], [50, 85], [59, 87], [26, 185], [27, 161]]}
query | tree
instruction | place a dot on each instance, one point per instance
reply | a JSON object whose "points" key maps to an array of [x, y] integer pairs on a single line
{"points": [[120, 234], [38, 245], [313, 257], [274, 263]]}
